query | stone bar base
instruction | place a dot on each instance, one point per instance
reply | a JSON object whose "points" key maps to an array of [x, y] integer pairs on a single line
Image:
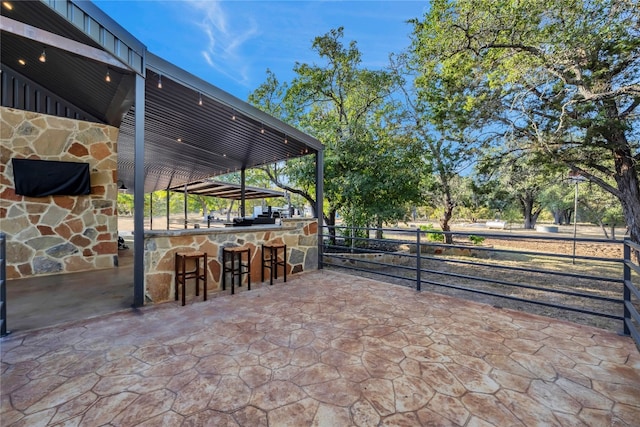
{"points": [[299, 234]]}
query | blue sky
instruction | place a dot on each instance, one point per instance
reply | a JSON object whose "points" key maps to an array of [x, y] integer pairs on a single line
{"points": [[232, 43]]}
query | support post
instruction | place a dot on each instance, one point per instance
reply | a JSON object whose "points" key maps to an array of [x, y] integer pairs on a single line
{"points": [[626, 297], [575, 221], [168, 196], [319, 203], [242, 192], [185, 207], [150, 211], [138, 195], [3, 285], [418, 261]]}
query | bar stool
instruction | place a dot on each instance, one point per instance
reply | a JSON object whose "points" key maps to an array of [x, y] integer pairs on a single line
{"points": [[237, 266], [274, 261], [182, 275]]}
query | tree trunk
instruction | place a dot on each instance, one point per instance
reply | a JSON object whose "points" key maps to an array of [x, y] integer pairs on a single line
{"points": [[378, 228], [229, 210], [331, 222], [448, 214], [604, 229], [627, 180]]}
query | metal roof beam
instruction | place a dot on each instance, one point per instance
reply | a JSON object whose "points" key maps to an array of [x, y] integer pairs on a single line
{"points": [[41, 36]]}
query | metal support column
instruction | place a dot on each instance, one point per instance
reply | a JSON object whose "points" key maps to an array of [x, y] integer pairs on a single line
{"points": [[626, 293], [418, 260], [319, 202], [3, 285], [168, 196], [242, 192], [138, 196], [185, 207], [150, 211]]}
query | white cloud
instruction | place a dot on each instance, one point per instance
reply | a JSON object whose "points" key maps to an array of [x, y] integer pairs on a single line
{"points": [[226, 39]]}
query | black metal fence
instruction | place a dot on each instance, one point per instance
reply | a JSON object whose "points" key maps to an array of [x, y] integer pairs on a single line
{"points": [[586, 280], [631, 293]]}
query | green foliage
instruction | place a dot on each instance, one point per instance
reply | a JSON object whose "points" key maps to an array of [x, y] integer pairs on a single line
{"points": [[555, 78], [371, 168], [476, 240], [432, 233]]}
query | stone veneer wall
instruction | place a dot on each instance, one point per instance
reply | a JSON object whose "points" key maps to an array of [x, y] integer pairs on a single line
{"points": [[300, 235], [58, 234]]}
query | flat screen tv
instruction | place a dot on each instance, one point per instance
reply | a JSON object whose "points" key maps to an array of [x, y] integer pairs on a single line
{"points": [[40, 178]]}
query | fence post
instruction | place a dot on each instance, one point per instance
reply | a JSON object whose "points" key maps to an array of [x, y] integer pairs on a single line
{"points": [[3, 285], [626, 299], [418, 260]]}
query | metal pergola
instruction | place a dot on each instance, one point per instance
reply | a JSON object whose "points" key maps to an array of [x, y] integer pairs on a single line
{"points": [[175, 128]]}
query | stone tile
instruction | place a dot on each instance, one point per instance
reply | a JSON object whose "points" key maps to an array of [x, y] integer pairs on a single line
{"points": [[441, 380], [447, 407], [33, 391], [553, 397], [473, 380], [379, 393], [317, 373], [108, 407], [379, 367], [74, 407], [65, 392], [363, 414], [251, 416], [330, 416], [489, 409], [296, 414], [298, 355], [145, 407], [339, 392], [275, 394], [411, 393], [195, 396], [210, 418]]}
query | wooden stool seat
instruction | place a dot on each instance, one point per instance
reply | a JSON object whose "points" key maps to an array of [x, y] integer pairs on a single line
{"points": [[237, 266], [273, 261], [182, 274]]}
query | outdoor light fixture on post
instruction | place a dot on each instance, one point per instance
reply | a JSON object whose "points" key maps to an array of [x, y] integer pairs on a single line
{"points": [[575, 178]]}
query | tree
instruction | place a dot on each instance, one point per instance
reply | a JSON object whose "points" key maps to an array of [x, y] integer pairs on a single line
{"points": [[522, 179], [437, 119], [348, 109], [566, 74]]}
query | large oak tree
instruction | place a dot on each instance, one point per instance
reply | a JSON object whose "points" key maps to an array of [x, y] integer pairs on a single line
{"points": [[561, 75]]}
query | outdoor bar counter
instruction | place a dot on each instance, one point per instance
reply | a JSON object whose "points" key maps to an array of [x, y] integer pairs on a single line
{"points": [[299, 234]]}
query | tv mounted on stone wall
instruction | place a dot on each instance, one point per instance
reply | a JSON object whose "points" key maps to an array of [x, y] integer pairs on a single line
{"points": [[40, 178]]}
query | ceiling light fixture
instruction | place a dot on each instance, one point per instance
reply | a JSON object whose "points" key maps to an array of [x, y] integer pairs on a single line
{"points": [[199, 99], [261, 128], [285, 139], [107, 78], [179, 139], [159, 81], [43, 56], [233, 116], [22, 62], [7, 5]]}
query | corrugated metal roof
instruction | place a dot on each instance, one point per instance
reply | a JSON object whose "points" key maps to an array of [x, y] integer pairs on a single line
{"points": [[225, 190], [184, 141]]}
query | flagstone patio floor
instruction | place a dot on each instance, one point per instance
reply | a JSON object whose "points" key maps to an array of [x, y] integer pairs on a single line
{"points": [[323, 349]]}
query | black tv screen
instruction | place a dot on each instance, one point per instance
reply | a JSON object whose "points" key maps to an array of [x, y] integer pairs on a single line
{"points": [[40, 178]]}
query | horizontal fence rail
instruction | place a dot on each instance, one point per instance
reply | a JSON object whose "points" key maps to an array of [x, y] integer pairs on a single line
{"points": [[531, 270]]}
